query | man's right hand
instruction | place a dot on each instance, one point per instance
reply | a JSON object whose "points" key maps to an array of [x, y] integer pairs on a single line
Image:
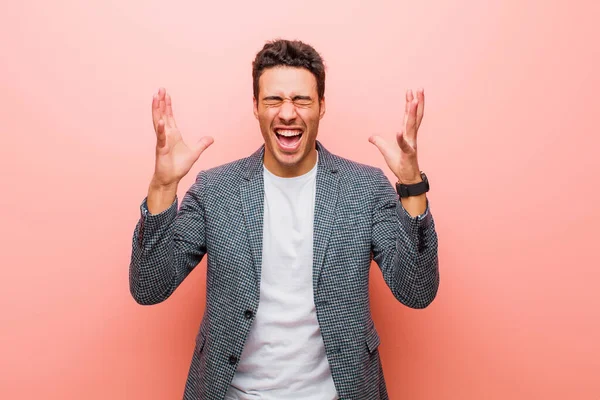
{"points": [[174, 158]]}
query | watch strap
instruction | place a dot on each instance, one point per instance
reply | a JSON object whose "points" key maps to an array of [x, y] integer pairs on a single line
{"points": [[414, 189]]}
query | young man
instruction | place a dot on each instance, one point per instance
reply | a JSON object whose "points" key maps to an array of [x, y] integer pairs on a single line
{"points": [[290, 233]]}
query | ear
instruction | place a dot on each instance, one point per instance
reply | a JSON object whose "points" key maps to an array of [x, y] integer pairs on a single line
{"points": [[322, 108], [255, 107]]}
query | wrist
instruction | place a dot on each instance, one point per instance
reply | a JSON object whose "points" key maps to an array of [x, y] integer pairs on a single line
{"points": [[408, 173], [158, 186], [161, 196], [409, 179]]}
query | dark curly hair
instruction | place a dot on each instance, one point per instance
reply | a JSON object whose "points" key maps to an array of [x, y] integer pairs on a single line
{"points": [[290, 53]]}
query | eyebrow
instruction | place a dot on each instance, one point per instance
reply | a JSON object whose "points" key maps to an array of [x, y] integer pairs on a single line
{"points": [[298, 97]]}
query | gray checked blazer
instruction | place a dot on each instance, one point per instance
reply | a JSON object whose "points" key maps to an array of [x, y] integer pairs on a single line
{"points": [[358, 218]]}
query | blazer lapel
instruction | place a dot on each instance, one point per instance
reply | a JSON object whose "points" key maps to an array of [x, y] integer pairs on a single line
{"points": [[252, 194], [325, 209]]}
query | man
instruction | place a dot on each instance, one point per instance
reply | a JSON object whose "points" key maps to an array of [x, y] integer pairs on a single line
{"points": [[290, 233]]}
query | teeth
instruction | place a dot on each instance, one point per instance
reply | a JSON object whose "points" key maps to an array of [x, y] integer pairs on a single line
{"points": [[288, 133]]}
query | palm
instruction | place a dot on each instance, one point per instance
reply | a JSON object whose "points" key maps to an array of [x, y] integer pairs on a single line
{"points": [[401, 157], [174, 158]]}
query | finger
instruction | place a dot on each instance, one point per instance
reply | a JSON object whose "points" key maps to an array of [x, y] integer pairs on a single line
{"points": [[155, 111], [382, 145], [404, 145], [421, 106], [407, 99], [169, 111], [161, 137], [202, 145], [169, 105], [410, 132], [161, 101], [162, 106], [154, 101]]}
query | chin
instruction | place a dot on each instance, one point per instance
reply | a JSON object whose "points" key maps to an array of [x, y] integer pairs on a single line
{"points": [[286, 158], [289, 160]]}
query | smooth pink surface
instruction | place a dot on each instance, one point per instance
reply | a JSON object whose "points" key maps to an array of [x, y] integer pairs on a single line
{"points": [[509, 141]]}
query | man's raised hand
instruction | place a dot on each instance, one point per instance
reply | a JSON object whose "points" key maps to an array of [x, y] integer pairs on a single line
{"points": [[174, 158], [401, 157]]}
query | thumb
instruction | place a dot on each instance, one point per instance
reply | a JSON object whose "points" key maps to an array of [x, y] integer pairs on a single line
{"points": [[202, 145], [382, 145]]}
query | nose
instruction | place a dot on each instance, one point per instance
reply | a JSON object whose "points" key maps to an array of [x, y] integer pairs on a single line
{"points": [[287, 111]]}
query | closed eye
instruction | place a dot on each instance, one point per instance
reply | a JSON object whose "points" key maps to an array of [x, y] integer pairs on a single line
{"points": [[272, 100], [297, 100]]}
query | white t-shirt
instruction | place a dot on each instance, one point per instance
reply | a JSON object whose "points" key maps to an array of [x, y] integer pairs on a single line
{"points": [[284, 357]]}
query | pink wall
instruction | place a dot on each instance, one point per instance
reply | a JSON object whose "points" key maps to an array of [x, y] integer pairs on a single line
{"points": [[509, 141]]}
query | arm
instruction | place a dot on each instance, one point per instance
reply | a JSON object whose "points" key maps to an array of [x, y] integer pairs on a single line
{"points": [[167, 245], [404, 247], [404, 238]]}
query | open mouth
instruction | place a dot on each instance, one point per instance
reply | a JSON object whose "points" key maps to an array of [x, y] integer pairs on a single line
{"points": [[288, 138]]}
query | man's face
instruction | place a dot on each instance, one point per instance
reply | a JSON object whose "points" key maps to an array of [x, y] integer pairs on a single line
{"points": [[289, 111]]}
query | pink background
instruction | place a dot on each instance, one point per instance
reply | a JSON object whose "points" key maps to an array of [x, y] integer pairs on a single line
{"points": [[509, 141]]}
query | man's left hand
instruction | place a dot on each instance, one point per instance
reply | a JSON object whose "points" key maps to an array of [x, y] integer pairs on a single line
{"points": [[401, 157]]}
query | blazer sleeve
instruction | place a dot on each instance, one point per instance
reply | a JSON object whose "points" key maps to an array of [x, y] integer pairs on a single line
{"points": [[404, 247], [166, 247]]}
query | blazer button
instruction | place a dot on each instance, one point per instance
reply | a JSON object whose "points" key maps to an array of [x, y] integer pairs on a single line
{"points": [[248, 314], [232, 360]]}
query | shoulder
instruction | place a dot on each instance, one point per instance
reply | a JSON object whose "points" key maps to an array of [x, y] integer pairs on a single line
{"points": [[225, 172], [221, 181], [355, 171], [360, 180]]}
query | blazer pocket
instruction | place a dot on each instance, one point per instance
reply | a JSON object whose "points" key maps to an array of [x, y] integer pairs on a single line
{"points": [[372, 339]]}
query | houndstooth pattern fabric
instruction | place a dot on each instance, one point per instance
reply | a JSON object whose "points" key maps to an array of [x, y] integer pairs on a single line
{"points": [[358, 218]]}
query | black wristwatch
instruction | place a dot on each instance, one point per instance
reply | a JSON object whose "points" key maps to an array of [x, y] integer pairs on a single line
{"points": [[414, 189]]}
